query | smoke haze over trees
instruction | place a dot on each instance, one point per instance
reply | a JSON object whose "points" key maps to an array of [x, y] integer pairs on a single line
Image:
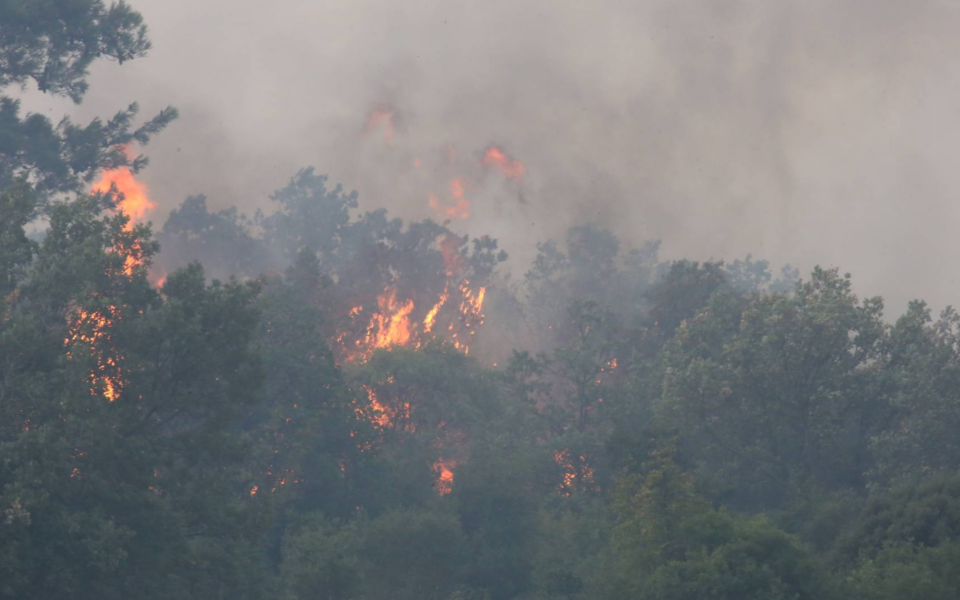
{"points": [[481, 376], [809, 133]]}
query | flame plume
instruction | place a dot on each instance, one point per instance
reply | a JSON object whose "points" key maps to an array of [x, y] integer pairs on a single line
{"points": [[93, 328], [431, 317], [133, 199]]}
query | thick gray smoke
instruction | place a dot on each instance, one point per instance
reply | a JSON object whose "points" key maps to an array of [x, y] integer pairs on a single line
{"points": [[804, 132]]}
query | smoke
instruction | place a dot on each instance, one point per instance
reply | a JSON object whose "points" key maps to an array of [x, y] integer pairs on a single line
{"points": [[813, 132]]}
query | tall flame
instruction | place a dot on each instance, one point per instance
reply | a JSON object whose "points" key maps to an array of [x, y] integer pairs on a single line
{"points": [[133, 198], [93, 328], [391, 326], [431, 318]]}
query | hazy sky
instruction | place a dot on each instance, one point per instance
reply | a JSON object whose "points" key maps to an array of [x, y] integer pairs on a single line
{"points": [[804, 132]]}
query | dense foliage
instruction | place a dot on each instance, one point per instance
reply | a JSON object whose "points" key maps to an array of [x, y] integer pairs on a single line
{"points": [[621, 427]]}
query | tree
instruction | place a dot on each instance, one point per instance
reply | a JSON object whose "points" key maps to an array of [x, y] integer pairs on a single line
{"points": [[925, 515], [431, 407], [775, 395], [570, 390], [322, 562], [669, 544], [923, 379], [902, 572], [221, 240], [17, 208], [681, 292], [305, 418], [122, 467], [52, 44]]}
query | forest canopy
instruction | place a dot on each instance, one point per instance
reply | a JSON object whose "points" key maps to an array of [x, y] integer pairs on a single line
{"points": [[320, 402]]}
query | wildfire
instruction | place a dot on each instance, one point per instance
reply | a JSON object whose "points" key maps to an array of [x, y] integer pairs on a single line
{"points": [[471, 314], [460, 208], [572, 472], [393, 325], [444, 470], [92, 328], [382, 117], [390, 326], [511, 168], [431, 317], [379, 415], [132, 198]]}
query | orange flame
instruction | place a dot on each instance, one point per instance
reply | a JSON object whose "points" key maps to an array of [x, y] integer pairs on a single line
{"points": [[90, 329], [430, 319], [444, 470], [379, 416], [461, 206], [511, 168], [395, 324], [571, 473], [471, 314], [391, 326], [132, 194]]}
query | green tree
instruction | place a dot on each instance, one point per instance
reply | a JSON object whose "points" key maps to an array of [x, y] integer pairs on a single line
{"points": [[926, 515], [322, 562], [923, 379], [904, 572], [121, 462], [776, 395], [669, 544], [52, 45], [413, 555]]}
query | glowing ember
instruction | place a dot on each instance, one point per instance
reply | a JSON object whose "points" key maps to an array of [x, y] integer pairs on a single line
{"points": [[379, 416], [92, 329], [571, 472], [444, 470], [511, 169]]}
